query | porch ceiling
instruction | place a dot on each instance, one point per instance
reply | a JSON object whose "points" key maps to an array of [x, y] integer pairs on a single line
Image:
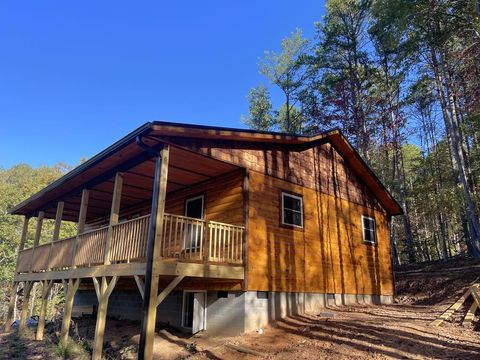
{"points": [[185, 169]]}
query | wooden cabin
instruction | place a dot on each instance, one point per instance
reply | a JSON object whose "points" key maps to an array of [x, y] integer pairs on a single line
{"points": [[209, 228]]}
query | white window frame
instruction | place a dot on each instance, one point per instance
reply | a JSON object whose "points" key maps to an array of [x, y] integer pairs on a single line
{"points": [[301, 209], [187, 200], [374, 230]]}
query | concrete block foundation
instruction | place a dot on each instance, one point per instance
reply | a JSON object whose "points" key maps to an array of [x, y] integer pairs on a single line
{"points": [[229, 313]]}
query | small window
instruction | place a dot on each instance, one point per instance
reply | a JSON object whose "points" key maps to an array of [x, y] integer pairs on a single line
{"points": [[222, 294], [369, 231], [292, 210], [262, 294]]}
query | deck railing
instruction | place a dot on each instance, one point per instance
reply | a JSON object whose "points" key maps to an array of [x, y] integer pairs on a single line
{"points": [[184, 239]]}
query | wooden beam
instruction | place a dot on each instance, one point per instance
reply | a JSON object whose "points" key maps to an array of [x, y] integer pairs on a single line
{"points": [[38, 230], [103, 294], [46, 287], [56, 228], [449, 312], [27, 288], [38, 233], [24, 235], [130, 269], [114, 213], [82, 215], [470, 314], [82, 218], [169, 289], [58, 220], [140, 285], [147, 334], [124, 269], [246, 217], [70, 289], [11, 306]]}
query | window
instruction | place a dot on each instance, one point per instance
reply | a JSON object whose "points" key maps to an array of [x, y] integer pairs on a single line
{"points": [[369, 231], [222, 294], [292, 210], [262, 294]]}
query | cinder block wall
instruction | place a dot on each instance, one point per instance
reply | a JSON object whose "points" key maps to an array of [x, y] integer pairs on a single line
{"points": [[226, 316], [235, 314], [127, 304]]}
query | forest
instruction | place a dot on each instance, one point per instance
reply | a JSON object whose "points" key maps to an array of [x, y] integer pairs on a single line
{"points": [[401, 79]]}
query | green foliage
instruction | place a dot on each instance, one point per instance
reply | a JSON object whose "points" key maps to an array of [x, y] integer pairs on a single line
{"points": [[260, 109], [288, 71], [16, 184]]}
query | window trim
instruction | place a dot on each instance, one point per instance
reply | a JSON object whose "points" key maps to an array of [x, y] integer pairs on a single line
{"points": [[193, 198], [282, 215], [374, 242]]}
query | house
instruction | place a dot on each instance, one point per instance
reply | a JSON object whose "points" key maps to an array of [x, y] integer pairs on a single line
{"points": [[209, 228]]}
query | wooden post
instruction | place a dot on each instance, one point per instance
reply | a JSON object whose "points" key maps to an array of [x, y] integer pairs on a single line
{"points": [[27, 288], [13, 296], [103, 290], [246, 219], [70, 287], [56, 228], [38, 230], [114, 213], [82, 218], [155, 230], [38, 233], [46, 287], [82, 215], [11, 307], [23, 238]]}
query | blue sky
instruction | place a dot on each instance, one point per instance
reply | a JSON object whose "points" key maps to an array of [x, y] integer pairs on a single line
{"points": [[75, 76]]}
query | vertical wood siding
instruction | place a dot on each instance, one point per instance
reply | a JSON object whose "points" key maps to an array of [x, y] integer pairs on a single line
{"points": [[327, 256]]}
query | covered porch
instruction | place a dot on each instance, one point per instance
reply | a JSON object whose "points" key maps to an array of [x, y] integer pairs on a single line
{"points": [[124, 230]]}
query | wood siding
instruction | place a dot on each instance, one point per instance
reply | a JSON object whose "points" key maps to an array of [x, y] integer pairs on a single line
{"points": [[328, 255], [312, 168], [223, 199]]}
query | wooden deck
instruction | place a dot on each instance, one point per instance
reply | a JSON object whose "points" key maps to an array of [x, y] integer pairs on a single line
{"points": [[188, 246]]}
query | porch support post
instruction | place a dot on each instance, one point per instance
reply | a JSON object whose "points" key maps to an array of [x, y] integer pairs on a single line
{"points": [[23, 238], [27, 288], [58, 220], [145, 351], [38, 233], [114, 213], [246, 217], [82, 215], [103, 290], [11, 307], [56, 229], [46, 287], [13, 296], [82, 218], [70, 287]]}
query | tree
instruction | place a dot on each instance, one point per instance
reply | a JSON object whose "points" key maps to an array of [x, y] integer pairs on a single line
{"points": [[343, 63], [260, 109], [288, 71]]}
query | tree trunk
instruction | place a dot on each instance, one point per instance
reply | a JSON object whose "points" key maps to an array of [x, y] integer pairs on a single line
{"points": [[454, 135]]}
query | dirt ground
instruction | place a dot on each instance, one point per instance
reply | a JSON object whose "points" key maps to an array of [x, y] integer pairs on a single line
{"points": [[396, 331]]}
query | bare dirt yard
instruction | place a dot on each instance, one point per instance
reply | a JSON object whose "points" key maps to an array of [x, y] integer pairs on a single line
{"points": [[396, 331]]}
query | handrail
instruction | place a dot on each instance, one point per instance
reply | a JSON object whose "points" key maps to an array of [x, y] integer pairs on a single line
{"points": [[183, 238]]}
